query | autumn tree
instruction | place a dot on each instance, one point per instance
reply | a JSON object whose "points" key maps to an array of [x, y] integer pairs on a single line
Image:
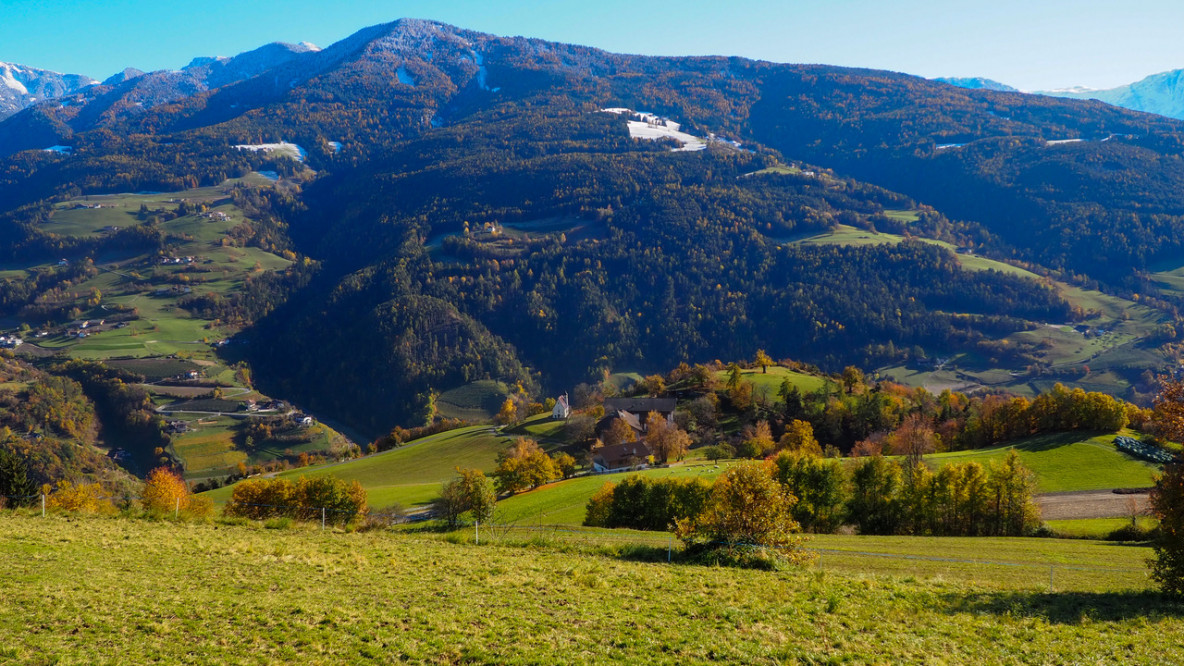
{"points": [[523, 466], [78, 497], [762, 359], [470, 492], [666, 440], [1167, 504], [758, 440], [1011, 488], [733, 376], [566, 464], [1167, 412], [913, 439], [508, 413], [747, 508], [799, 436], [852, 378], [165, 492], [600, 506], [618, 432]]}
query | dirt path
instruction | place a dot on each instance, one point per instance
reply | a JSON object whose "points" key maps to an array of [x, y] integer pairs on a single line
{"points": [[1089, 504]]}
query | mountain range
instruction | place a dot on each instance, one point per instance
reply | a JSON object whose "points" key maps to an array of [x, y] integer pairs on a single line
{"points": [[1161, 94], [22, 86], [467, 207]]}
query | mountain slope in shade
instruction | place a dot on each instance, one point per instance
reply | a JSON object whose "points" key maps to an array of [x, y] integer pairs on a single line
{"points": [[976, 83], [21, 86], [1161, 94]]}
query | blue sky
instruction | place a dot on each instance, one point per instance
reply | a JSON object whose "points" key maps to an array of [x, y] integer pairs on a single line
{"points": [[1034, 44]]}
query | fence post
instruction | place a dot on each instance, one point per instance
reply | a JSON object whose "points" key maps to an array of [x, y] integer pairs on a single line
{"points": [[477, 529], [177, 509], [1050, 579], [669, 549], [322, 519], [42, 505]]}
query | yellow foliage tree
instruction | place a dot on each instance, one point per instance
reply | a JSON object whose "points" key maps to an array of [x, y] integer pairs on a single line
{"points": [[79, 497], [165, 492]]}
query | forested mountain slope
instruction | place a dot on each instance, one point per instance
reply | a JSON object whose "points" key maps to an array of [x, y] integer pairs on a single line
{"points": [[479, 217]]}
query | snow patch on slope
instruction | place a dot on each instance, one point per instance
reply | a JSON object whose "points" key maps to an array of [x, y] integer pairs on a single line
{"points": [[8, 79], [283, 148], [651, 127], [405, 77]]}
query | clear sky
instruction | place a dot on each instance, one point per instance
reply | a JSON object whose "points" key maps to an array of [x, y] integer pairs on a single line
{"points": [[1030, 44]]}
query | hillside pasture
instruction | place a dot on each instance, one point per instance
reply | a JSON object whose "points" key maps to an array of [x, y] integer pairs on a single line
{"points": [[412, 474], [97, 591], [1066, 462], [769, 383], [475, 401]]}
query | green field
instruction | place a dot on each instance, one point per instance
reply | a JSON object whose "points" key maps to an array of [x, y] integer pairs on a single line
{"points": [[769, 383], [476, 401], [1096, 528], [1061, 463], [412, 474], [1066, 462], [126, 591]]}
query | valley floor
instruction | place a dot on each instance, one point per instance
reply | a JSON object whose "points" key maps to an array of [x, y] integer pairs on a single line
{"points": [[128, 591]]}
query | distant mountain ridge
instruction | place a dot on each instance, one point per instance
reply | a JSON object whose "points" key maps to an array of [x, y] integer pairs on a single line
{"points": [[1161, 94], [976, 83], [21, 86]]}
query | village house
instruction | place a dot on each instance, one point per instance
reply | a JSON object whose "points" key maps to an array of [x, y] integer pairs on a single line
{"points": [[640, 407], [633, 412], [621, 457]]}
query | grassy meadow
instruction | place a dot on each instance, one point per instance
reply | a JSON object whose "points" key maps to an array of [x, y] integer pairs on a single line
{"points": [[1065, 462], [166, 592], [412, 474]]}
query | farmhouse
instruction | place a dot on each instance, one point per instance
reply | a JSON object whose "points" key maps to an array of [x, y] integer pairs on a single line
{"points": [[619, 457], [633, 412], [640, 407]]}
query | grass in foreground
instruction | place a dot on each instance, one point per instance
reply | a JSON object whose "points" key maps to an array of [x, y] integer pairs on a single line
{"points": [[169, 592]]}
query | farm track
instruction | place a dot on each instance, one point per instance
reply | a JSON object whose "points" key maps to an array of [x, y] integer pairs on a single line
{"points": [[1090, 504]]}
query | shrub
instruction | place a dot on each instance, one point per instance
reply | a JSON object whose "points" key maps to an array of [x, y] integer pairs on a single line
{"points": [[80, 497], [747, 509], [259, 499]]}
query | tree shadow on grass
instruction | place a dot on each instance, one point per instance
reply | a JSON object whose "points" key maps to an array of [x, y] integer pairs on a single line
{"points": [[1069, 607]]}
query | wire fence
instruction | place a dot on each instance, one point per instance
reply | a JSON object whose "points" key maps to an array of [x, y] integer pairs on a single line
{"points": [[652, 545]]}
